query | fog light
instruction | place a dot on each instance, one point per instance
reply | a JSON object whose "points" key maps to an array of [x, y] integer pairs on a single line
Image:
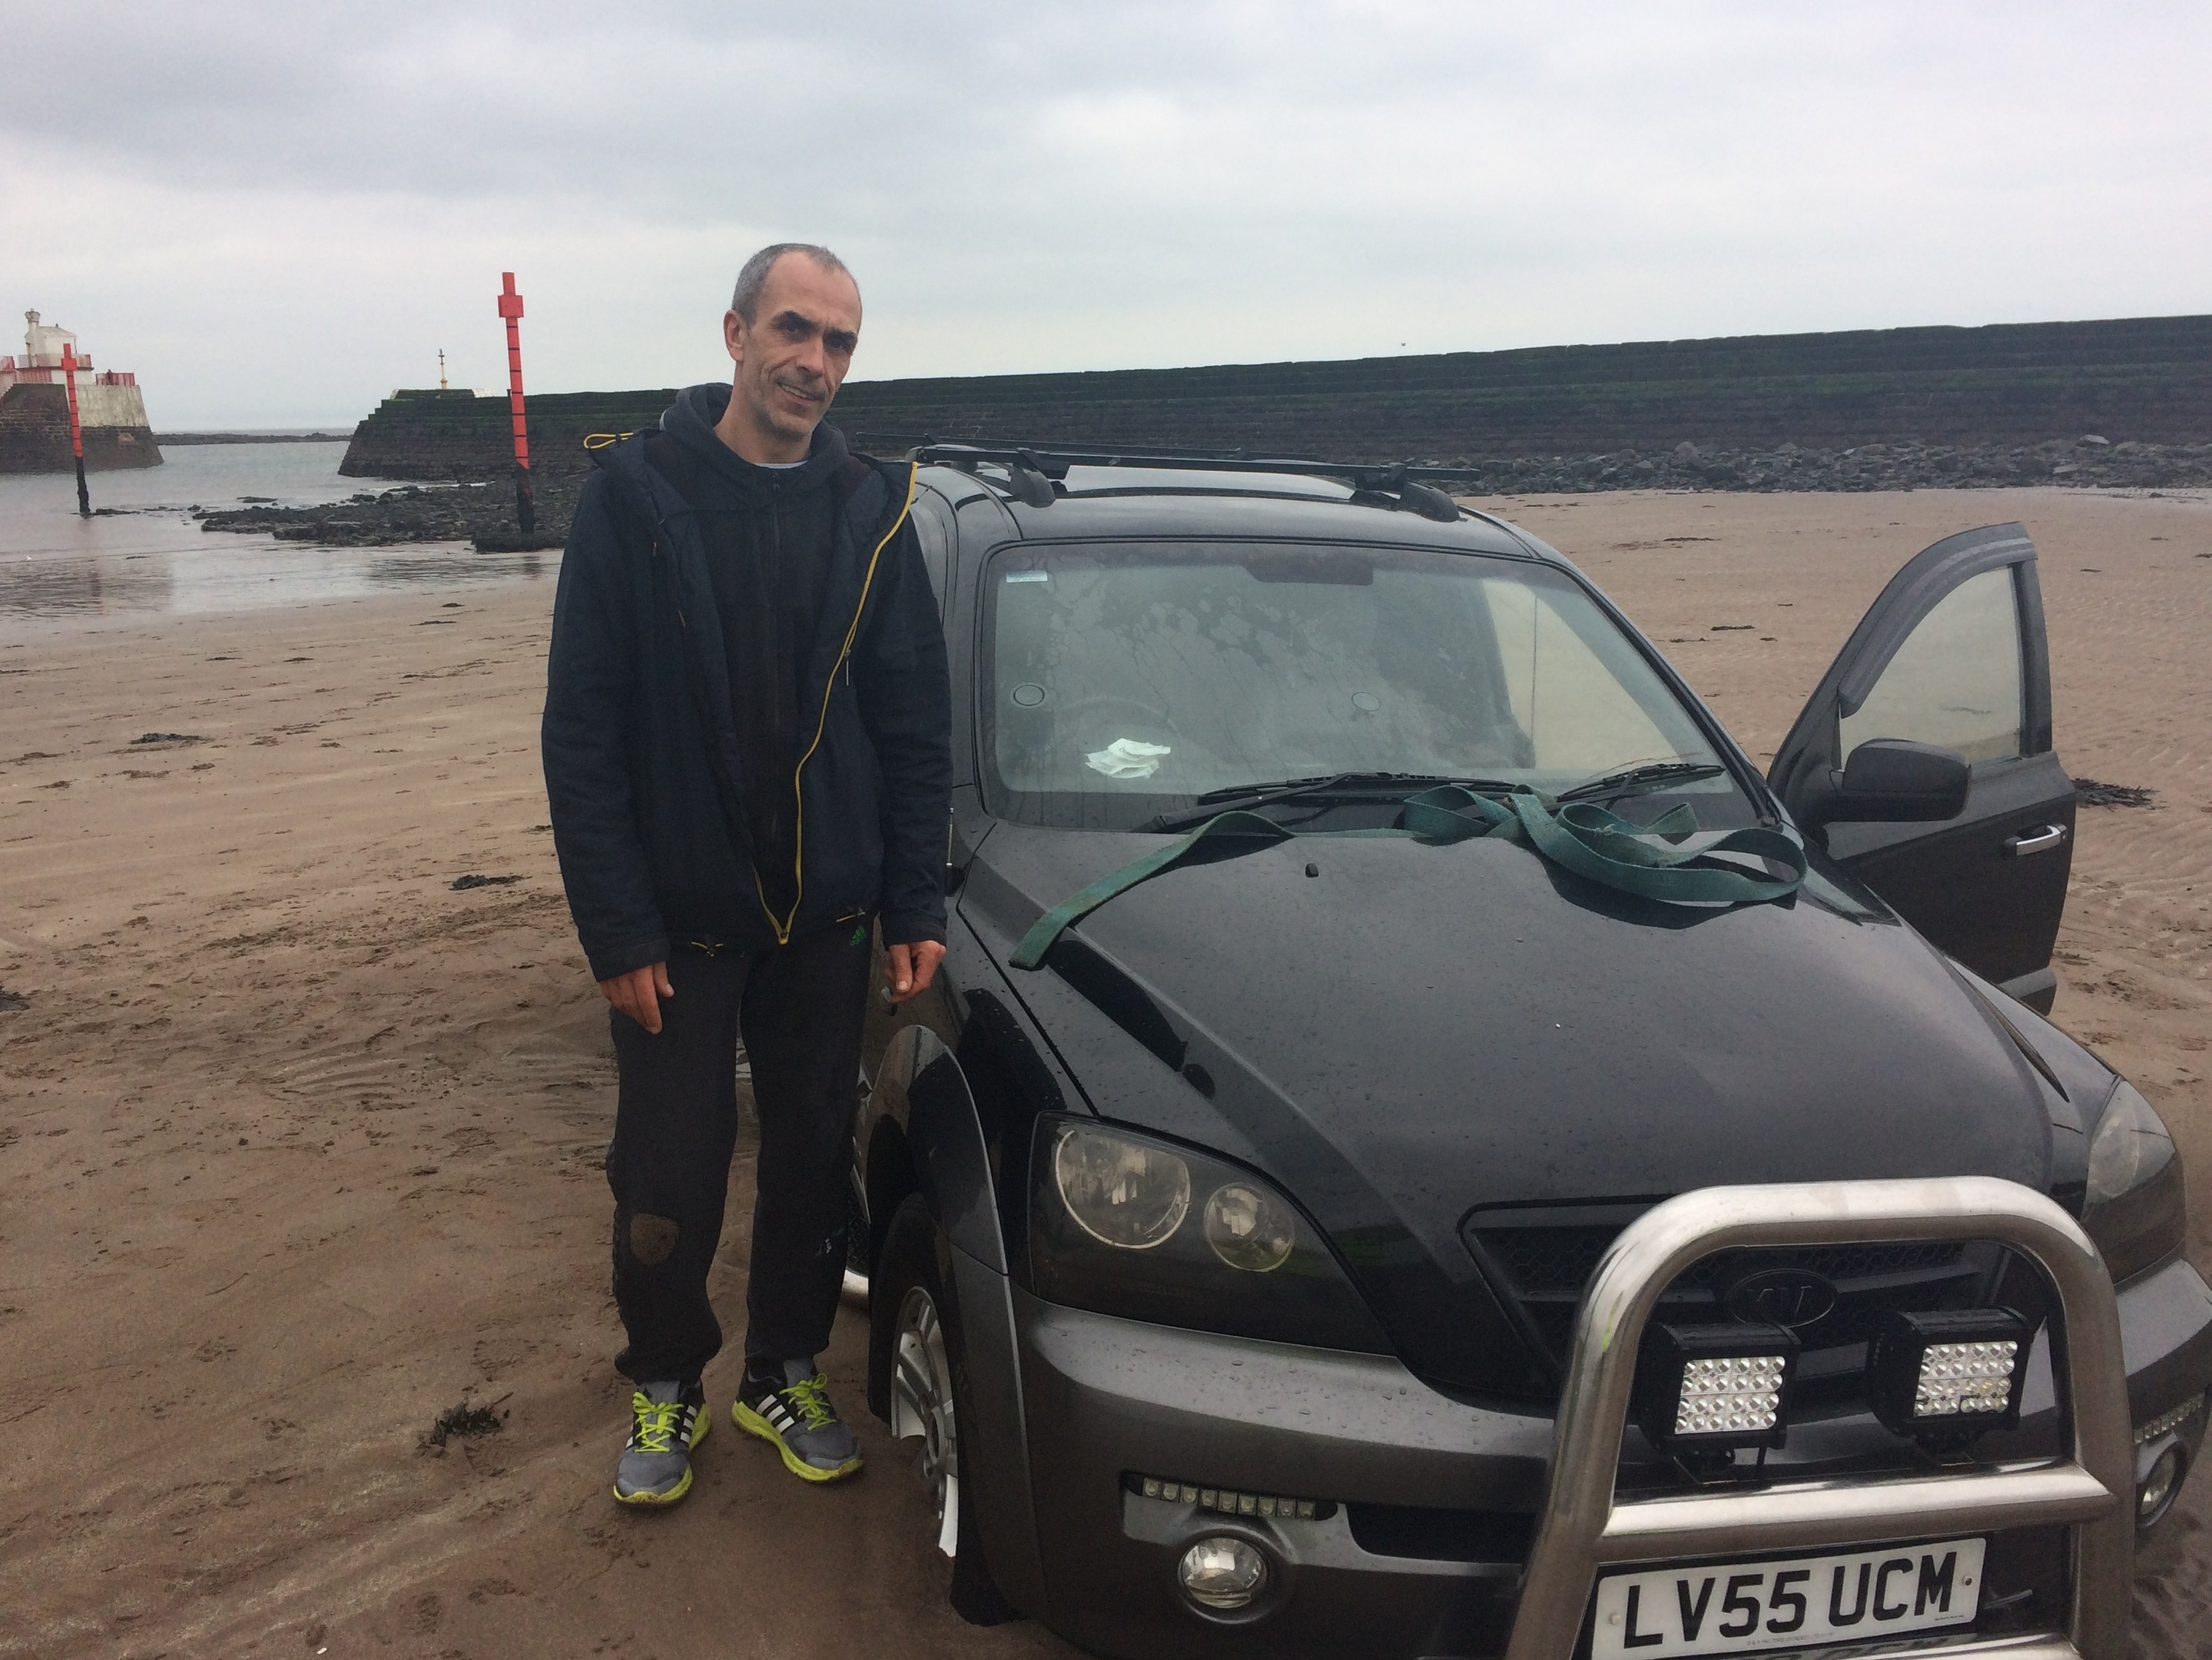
{"points": [[2154, 1493], [1946, 1377], [1222, 1572], [1713, 1388]]}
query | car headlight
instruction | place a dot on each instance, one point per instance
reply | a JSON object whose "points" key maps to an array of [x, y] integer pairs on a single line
{"points": [[1122, 1224], [1250, 1228], [2136, 1208], [1121, 1192]]}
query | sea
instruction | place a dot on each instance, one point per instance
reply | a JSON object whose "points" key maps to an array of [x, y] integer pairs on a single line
{"points": [[60, 572]]}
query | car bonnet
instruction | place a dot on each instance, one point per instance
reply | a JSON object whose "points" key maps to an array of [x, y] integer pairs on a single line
{"points": [[1401, 1034]]}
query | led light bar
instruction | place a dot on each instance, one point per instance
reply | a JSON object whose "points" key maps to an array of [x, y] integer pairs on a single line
{"points": [[1713, 1388], [2167, 1422], [1226, 1501], [1947, 1376]]}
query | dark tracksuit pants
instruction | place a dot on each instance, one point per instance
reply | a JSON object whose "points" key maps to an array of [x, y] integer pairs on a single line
{"points": [[799, 1008]]}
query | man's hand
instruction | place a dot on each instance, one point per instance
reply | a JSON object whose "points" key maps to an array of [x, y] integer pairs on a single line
{"points": [[638, 993], [912, 967]]}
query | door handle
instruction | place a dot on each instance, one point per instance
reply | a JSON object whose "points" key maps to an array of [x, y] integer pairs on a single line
{"points": [[2042, 839]]}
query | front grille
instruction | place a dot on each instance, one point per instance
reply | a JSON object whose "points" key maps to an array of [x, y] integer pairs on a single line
{"points": [[1540, 1261], [1553, 1261]]}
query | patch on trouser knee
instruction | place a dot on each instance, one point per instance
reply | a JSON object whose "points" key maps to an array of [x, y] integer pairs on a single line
{"points": [[652, 1238]]}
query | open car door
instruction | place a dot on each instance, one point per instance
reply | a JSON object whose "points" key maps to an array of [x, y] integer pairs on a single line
{"points": [[1952, 655]]}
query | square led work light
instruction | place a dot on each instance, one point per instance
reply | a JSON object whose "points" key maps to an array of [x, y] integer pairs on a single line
{"points": [[1948, 1373], [1717, 1387]]}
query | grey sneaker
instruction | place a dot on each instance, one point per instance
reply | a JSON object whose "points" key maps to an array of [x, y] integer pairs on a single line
{"points": [[667, 1420], [790, 1406]]}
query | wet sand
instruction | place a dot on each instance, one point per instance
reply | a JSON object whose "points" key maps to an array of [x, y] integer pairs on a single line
{"points": [[298, 1146]]}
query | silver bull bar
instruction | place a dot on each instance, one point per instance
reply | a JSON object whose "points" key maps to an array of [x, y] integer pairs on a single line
{"points": [[1584, 1527]]}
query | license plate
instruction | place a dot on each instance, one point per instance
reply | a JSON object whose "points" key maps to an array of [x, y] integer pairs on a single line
{"points": [[1721, 1608]]}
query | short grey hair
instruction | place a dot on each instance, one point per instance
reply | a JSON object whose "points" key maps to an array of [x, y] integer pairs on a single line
{"points": [[752, 276]]}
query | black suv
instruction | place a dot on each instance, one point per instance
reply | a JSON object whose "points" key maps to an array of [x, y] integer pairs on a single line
{"points": [[1364, 946]]}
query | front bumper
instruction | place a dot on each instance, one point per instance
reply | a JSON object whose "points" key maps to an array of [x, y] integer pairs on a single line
{"points": [[1427, 1501], [1105, 1398]]}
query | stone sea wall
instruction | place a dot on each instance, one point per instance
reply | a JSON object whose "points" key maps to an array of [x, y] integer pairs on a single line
{"points": [[456, 436], [2113, 404], [2145, 380], [34, 429], [1967, 392]]}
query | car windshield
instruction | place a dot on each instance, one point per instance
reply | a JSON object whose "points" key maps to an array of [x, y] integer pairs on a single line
{"points": [[1125, 681]]}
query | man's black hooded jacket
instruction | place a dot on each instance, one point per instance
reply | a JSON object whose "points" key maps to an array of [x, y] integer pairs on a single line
{"points": [[686, 761]]}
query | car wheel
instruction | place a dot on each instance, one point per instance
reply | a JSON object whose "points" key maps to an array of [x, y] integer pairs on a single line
{"points": [[855, 1290], [913, 1335]]}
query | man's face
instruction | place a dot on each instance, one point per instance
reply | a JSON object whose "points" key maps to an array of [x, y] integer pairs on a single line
{"points": [[793, 356]]}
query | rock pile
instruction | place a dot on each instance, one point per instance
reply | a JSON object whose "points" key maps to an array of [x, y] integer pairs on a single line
{"points": [[2091, 460], [481, 513]]}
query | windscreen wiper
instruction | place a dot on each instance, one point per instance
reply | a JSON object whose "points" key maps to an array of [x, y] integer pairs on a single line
{"points": [[1635, 781], [1242, 797]]}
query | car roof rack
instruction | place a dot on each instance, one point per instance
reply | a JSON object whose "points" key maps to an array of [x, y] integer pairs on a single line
{"points": [[1031, 469]]}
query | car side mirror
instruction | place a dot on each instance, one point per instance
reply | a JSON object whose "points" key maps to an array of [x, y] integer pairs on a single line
{"points": [[1893, 781]]}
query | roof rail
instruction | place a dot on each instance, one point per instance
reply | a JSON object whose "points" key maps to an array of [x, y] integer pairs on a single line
{"points": [[1029, 466]]}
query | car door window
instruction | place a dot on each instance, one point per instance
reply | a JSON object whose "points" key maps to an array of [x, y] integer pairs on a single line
{"points": [[1956, 680]]}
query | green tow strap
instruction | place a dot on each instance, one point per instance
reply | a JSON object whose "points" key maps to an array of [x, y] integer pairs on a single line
{"points": [[1639, 859]]}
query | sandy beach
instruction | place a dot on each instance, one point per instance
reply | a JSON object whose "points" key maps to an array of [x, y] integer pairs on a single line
{"points": [[299, 1143]]}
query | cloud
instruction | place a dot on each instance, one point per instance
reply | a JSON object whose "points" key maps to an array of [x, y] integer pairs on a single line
{"points": [[277, 212]]}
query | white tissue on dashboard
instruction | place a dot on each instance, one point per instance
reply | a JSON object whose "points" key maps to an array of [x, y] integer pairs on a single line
{"points": [[1126, 757]]}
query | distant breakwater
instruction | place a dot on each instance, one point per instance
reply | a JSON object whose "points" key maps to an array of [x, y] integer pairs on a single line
{"points": [[2012, 387], [2123, 404], [255, 438]]}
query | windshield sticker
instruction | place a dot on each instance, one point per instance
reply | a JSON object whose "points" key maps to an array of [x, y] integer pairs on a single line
{"points": [[1127, 757], [1029, 576]]}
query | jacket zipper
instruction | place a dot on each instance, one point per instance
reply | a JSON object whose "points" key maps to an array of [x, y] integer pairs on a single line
{"points": [[798, 775], [778, 625]]}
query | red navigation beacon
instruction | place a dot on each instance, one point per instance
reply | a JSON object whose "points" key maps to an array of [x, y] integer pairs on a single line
{"points": [[510, 307], [77, 428]]}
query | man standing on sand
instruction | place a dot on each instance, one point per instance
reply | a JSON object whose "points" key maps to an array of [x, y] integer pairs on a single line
{"points": [[747, 752]]}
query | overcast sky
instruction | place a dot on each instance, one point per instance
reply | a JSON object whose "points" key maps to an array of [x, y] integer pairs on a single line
{"points": [[277, 212]]}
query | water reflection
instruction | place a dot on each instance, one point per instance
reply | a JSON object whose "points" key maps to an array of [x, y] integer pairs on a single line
{"points": [[63, 587], [438, 570], [227, 577], [152, 557]]}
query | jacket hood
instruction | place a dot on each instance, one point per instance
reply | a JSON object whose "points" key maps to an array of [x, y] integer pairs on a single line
{"points": [[691, 421], [1402, 1035]]}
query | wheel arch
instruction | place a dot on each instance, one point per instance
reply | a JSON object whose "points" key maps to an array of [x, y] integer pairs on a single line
{"points": [[890, 1176], [929, 1132]]}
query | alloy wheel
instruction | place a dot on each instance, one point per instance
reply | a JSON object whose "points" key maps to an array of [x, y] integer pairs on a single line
{"points": [[921, 1405]]}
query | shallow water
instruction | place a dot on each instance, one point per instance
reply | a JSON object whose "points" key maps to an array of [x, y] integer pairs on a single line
{"points": [[57, 570]]}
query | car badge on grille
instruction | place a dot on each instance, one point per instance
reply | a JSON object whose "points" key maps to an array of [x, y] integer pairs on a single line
{"points": [[1781, 1296]]}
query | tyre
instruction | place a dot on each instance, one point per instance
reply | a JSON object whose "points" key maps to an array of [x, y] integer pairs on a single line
{"points": [[914, 1352], [855, 1289]]}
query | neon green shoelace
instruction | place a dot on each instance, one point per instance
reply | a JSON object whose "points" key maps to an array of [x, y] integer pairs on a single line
{"points": [[808, 1398], [656, 1423]]}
